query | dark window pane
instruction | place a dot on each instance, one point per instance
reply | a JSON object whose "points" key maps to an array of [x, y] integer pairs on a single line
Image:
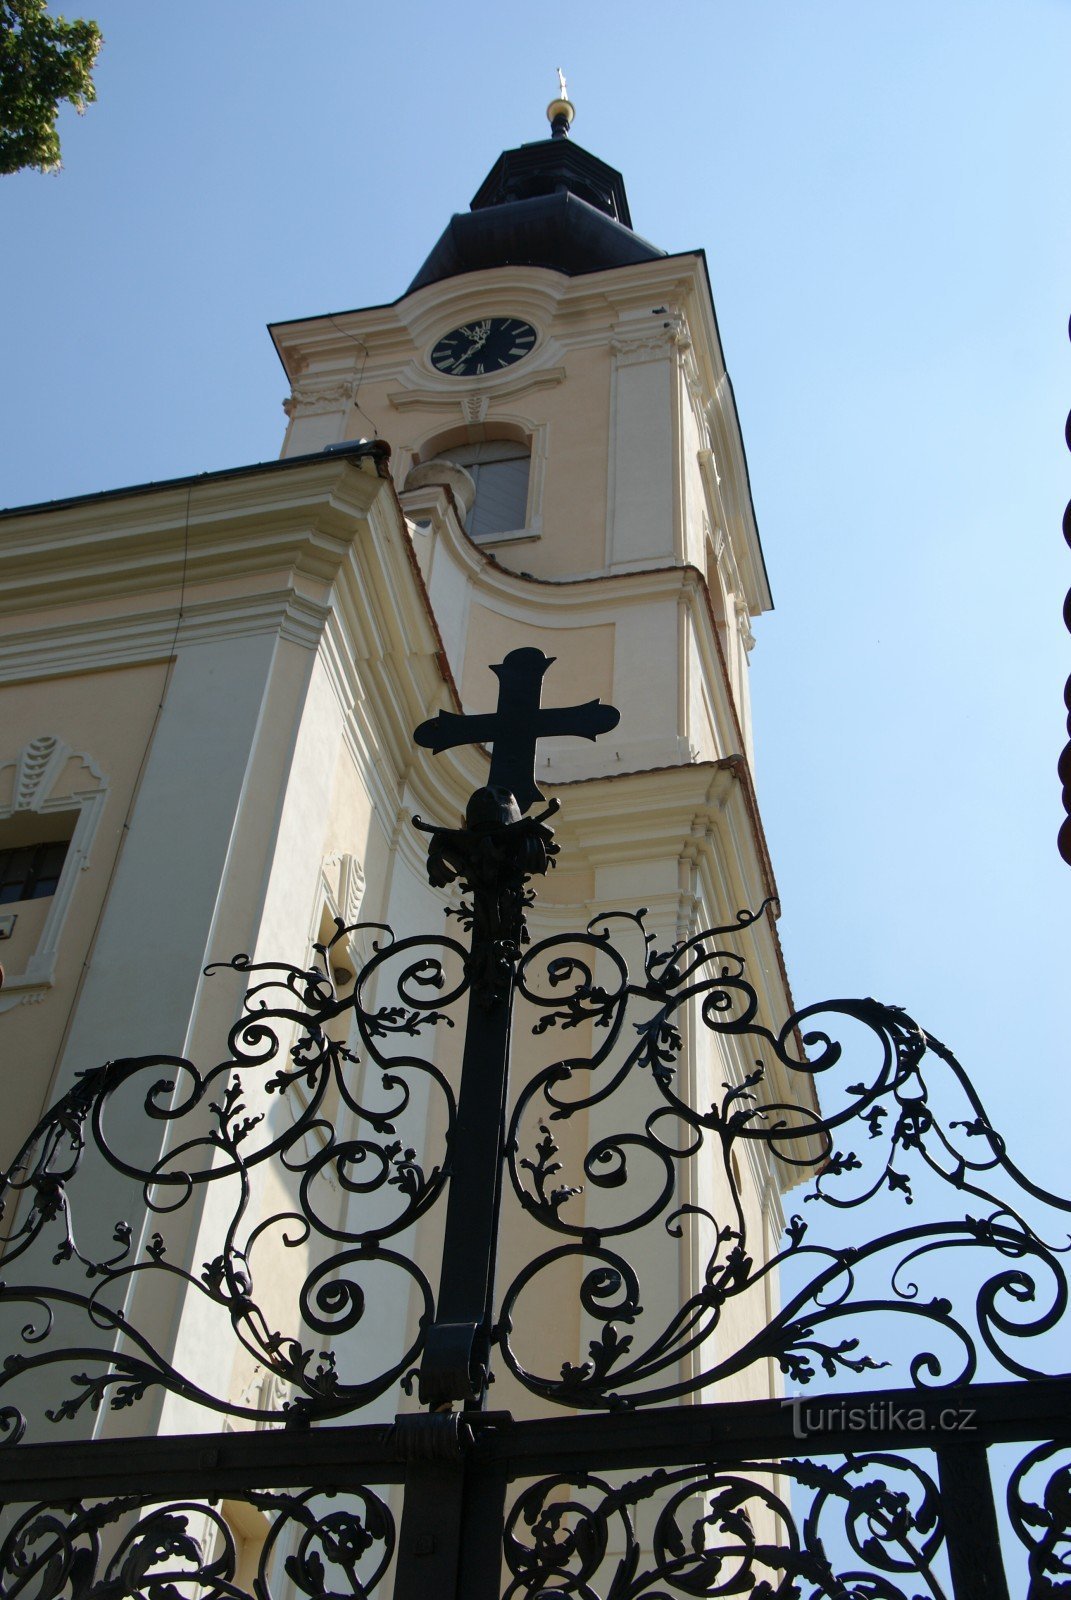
{"points": [[31, 872], [47, 868], [15, 867]]}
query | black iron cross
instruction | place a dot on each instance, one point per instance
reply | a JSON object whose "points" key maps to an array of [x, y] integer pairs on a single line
{"points": [[516, 724]]}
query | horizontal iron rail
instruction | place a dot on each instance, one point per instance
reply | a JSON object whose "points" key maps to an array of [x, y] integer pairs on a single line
{"points": [[208, 1465], [986, 1414]]}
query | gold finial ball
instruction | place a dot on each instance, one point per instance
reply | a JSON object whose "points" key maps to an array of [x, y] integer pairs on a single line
{"points": [[560, 112]]}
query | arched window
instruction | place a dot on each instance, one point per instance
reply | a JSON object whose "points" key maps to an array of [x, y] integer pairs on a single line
{"points": [[499, 468]]}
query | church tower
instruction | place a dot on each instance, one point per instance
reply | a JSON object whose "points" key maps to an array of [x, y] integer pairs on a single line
{"points": [[575, 372], [210, 685]]}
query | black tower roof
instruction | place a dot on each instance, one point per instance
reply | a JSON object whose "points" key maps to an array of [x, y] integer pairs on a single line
{"points": [[549, 204]]}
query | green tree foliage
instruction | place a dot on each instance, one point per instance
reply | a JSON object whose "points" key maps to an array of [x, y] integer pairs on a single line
{"points": [[43, 60]]}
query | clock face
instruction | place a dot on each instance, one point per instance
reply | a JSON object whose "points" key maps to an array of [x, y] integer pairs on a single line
{"points": [[478, 348]]}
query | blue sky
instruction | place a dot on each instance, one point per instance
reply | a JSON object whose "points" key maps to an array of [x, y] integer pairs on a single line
{"points": [[881, 191]]}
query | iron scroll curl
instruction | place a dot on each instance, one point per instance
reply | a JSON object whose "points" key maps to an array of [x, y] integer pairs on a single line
{"points": [[358, 1189], [871, 1526], [138, 1545], [898, 1119], [290, 1109]]}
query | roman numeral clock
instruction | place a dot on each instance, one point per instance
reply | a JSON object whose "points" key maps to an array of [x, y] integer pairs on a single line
{"points": [[482, 347]]}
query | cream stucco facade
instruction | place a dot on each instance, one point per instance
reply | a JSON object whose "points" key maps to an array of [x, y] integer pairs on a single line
{"points": [[213, 683]]}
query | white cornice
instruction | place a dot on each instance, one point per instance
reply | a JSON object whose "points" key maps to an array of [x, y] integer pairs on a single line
{"points": [[544, 598], [370, 619], [381, 334], [301, 518], [634, 814], [60, 647]]}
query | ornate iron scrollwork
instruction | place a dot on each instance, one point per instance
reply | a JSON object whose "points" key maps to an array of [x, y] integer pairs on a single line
{"points": [[872, 1529], [314, 1544], [566, 1152], [1039, 1504], [285, 1107], [274, 1204]]}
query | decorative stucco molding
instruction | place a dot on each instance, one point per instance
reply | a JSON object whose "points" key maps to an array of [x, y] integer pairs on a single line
{"points": [[474, 407], [743, 624], [48, 776], [315, 398], [344, 883], [265, 1391], [497, 389], [61, 647], [36, 769], [650, 341]]}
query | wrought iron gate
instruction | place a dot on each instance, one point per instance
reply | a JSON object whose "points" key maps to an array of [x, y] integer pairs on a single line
{"points": [[285, 1177]]}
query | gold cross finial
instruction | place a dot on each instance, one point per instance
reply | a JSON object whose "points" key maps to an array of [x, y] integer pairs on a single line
{"points": [[560, 112]]}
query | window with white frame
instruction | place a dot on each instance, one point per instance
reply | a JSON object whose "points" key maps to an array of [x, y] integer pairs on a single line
{"points": [[51, 799], [500, 469], [30, 868]]}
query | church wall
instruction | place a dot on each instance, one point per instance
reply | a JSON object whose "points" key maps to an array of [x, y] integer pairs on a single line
{"points": [[340, 844], [450, 591], [599, 398], [108, 716], [175, 856], [238, 778], [704, 736], [583, 655], [569, 424], [578, 428], [644, 641], [643, 460], [274, 887]]}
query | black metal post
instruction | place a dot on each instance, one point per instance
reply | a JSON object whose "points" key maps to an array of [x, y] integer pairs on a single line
{"points": [[429, 1540], [457, 1350], [970, 1523], [492, 856]]}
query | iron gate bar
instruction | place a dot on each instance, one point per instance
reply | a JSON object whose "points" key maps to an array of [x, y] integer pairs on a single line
{"points": [[493, 857], [716, 1432], [970, 1523], [1005, 1413], [457, 1347]]}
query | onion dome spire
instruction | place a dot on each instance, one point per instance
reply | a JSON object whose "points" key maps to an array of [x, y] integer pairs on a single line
{"points": [[548, 204]]}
